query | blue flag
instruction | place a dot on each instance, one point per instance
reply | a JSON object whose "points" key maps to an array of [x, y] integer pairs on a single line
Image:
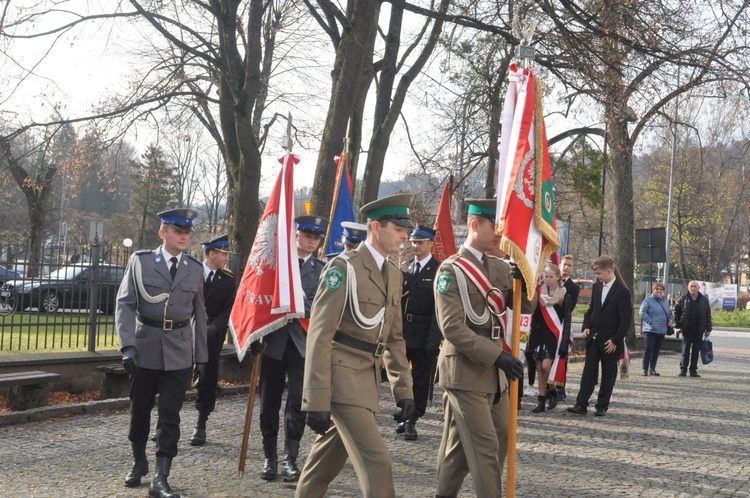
{"points": [[342, 209]]}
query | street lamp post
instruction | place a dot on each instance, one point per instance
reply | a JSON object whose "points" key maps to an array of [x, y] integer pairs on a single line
{"points": [[127, 243]]}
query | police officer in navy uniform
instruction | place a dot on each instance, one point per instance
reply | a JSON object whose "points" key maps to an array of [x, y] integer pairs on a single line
{"points": [[219, 289], [354, 233], [161, 326], [421, 331], [284, 356]]}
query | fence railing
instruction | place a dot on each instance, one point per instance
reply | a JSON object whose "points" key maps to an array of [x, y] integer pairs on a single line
{"points": [[53, 310]]}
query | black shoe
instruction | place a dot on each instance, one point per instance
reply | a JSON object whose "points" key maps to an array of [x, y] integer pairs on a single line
{"points": [[539, 405], [140, 469], [270, 470], [682, 374], [694, 374], [600, 412], [400, 428], [561, 395], [159, 487], [289, 469], [198, 438], [577, 409], [654, 373], [645, 373], [552, 396], [410, 431]]}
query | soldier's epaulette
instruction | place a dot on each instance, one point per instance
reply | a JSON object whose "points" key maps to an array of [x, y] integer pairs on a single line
{"points": [[394, 264], [143, 251], [227, 271], [193, 259]]}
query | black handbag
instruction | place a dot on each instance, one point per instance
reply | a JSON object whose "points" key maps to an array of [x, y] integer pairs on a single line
{"points": [[670, 329]]}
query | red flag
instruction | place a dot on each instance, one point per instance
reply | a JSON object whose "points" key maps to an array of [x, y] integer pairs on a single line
{"points": [[270, 292], [444, 245], [526, 204]]}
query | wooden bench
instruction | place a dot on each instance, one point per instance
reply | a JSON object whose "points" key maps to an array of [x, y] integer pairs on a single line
{"points": [[115, 383], [27, 389]]}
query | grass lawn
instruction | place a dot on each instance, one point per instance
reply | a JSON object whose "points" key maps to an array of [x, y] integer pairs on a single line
{"points": [[57, 332]]}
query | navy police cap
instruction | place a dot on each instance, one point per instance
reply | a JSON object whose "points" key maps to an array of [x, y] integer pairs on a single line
{"points": [[354, 232], [181, 218], [218, 243], [314, 225], [422, 233]]}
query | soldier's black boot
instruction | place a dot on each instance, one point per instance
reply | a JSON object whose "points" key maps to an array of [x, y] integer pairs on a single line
{"points": [[272, 460], [410, 429], [159, 486], [199, 434], [289, 465], [140, 466], [539, 404]]}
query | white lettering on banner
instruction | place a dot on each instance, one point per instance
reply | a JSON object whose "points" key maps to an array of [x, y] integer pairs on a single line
{"points": [[261, 299]]}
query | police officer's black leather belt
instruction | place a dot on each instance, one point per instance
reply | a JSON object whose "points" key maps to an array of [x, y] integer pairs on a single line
{"points": [[163, 324], [377, 348], [416, 318]]}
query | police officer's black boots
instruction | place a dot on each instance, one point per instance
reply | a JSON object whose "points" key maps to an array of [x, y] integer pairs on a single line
{"points": [[199, 434], [159, 486], [289, 465], [272, 460], [410, 429], [140, 466]]}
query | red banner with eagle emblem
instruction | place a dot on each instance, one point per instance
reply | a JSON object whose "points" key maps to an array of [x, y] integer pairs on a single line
{"points": [[270, 292], [444, 245], [526, 203]]}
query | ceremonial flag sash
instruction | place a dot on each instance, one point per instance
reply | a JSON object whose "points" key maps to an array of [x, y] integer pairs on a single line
{"points": [[526, 207], [270, 291], [444, 244], [496, 300], [557, 371]]}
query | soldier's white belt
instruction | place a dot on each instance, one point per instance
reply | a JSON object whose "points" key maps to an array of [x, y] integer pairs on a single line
{"points": [[164, 324], [377, 348]]}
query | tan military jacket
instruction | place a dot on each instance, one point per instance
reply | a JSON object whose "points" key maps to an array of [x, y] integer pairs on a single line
{"points": [[335, 373], [467, 359]]}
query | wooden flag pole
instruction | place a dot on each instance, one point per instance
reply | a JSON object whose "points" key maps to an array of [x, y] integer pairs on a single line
{"points": [[249, 413], [510, 479]]}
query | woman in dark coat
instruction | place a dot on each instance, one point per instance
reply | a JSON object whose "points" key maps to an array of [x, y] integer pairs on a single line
{"points": [[550, 335]]}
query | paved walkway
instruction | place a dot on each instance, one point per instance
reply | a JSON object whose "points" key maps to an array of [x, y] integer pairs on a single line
{"points": [[663, 437]]}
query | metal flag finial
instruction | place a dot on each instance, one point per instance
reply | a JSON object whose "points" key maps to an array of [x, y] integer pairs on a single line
{"points": [[524, 50], [347, 139], [286, 140]]}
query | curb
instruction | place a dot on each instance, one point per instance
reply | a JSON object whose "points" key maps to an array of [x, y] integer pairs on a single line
{"points": [[91, 407]]}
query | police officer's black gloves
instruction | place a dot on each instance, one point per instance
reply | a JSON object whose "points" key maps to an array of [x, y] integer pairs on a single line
{"points": [[199, 372], [130, 359], [563, 350], [211, 333], [509, 364], [319, 422], [515, 271], [257, 347], [432, 348], [407, 410]]}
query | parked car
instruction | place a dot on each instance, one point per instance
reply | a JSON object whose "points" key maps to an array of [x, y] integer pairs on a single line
{"points": [[66, 288], [584, 297], [6, 274]]}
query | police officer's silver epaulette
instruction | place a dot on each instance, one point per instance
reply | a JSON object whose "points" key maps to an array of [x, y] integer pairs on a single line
{"points": [[194, 260], [143, 251]]}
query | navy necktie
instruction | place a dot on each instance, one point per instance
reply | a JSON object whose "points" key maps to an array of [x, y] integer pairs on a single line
{"points": [[417, 268]]}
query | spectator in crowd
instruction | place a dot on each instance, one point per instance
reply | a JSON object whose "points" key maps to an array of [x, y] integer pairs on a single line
{"points": [[605, 325], [693, 317], [550, 333], [657, 317]]}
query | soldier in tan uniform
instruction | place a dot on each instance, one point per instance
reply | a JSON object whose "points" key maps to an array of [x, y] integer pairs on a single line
{"points": [[356, 319], [473, 366]]}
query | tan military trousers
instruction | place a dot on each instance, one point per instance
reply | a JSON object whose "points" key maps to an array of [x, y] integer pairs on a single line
{"points": [[475, 439], [354, 434]]}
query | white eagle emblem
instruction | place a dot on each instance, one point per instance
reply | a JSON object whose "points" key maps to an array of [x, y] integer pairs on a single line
{"points": [[263, 252]]}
